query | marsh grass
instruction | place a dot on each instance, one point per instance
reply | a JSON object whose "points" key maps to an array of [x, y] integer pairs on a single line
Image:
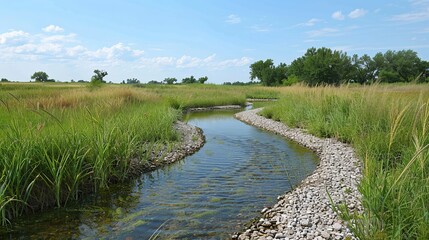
{"points": [[59, 142], [388, 127]]}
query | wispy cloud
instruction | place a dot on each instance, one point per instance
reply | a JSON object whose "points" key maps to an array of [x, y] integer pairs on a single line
{"points": [[323, 32], [357, 13], [420, 13], [52, 28], [261, 28], [419, 16], [338, 15], [187, 61], [233, 19], [310, 22]]}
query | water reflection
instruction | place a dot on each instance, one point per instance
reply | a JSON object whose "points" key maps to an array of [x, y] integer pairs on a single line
{"points": [[212, 193]]}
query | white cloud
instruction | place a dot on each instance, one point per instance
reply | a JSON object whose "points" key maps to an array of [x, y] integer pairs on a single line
{"points": [[420, 2], [261, 28], [323, 32], [75, 51], [233, 19], [357, 13], [338, 15], [310, 22], [187, 61], [113, 54], [137, 53], [238, 62], [52, 28], [421, 12], [422, 15], [60, 38], [12, 36]]}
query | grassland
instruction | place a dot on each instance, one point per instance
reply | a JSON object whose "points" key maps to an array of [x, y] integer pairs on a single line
{"points": [[59, 142], [389, 128]]}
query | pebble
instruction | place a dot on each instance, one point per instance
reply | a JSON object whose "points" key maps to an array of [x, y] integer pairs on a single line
{"points": [[306, 211]]}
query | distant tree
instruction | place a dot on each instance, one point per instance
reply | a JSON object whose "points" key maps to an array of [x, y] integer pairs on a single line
{"points": [[227, 83], [4, 80], [133, 81], [123, 82], [154, 82], [202, 80], [405, 63], [364, 69], [98, 76], [170, 80], [324, 66], [267, 73], [40, 76], [50, 80], [189, 80], [81, 81]]}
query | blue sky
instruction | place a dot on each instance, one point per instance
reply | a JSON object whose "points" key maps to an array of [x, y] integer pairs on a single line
{"points": [[152, 40]]}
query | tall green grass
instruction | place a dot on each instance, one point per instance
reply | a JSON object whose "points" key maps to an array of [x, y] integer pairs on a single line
{"points": [[56, 147], [60, 141], [389, 128]]}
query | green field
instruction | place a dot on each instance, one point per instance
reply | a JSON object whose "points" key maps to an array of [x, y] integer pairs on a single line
{"points": [[61, 141], [388, 125]]}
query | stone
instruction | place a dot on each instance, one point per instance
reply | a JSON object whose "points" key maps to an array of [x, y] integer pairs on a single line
{"points": [[337, 226], [325, 234], [305, 223]]}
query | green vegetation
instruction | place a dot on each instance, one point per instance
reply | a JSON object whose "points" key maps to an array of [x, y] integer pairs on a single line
{"points": [[61, 141], [98, 76], [325, 66], [40, 76], [388, 127]]}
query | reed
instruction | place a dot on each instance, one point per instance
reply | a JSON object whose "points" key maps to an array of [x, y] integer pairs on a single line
{"points": [[59, 142], [388, 127]]}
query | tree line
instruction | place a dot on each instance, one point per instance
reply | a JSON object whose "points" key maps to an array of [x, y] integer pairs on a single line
{"points": [[99, 75], [333, 67]]}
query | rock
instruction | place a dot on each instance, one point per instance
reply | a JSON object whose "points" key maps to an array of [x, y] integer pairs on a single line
{"points": [[325, 234], [266, 224], [337, 226], [305, 223]]}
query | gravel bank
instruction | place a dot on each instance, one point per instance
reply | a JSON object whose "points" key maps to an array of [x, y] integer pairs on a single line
{"points": [[203, 109], [306, 212], [191, 140]]}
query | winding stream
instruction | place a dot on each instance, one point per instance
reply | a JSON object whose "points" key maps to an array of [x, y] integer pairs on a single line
{"points": [[208, 195]]}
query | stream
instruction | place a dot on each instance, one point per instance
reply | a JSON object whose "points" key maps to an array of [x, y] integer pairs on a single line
{"points": [[208, 195]]}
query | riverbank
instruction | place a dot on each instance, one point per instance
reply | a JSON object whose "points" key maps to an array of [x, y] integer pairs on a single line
{"points": [[191, 140], [306, 212]]}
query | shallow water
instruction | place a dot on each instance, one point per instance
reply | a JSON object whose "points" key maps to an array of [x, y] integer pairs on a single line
{"points": [[208, 195]]}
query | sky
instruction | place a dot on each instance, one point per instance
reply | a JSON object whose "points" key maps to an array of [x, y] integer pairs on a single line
{"points": [[153, 40]]}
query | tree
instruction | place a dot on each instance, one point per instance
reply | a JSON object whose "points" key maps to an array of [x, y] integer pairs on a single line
{"points": [[4, 80], [98, 76], [364, 69], [324, 66], [154, 82], [188, 80], [40, 76], [267, 73], [170, 80], [133, 81], [202, 80]]}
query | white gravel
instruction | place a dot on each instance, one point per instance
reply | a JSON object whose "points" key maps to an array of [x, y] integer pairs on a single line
{"points": [[306, 211]]}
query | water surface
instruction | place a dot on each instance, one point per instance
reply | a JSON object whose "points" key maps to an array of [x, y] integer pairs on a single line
{"points": [[208, 195]]}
